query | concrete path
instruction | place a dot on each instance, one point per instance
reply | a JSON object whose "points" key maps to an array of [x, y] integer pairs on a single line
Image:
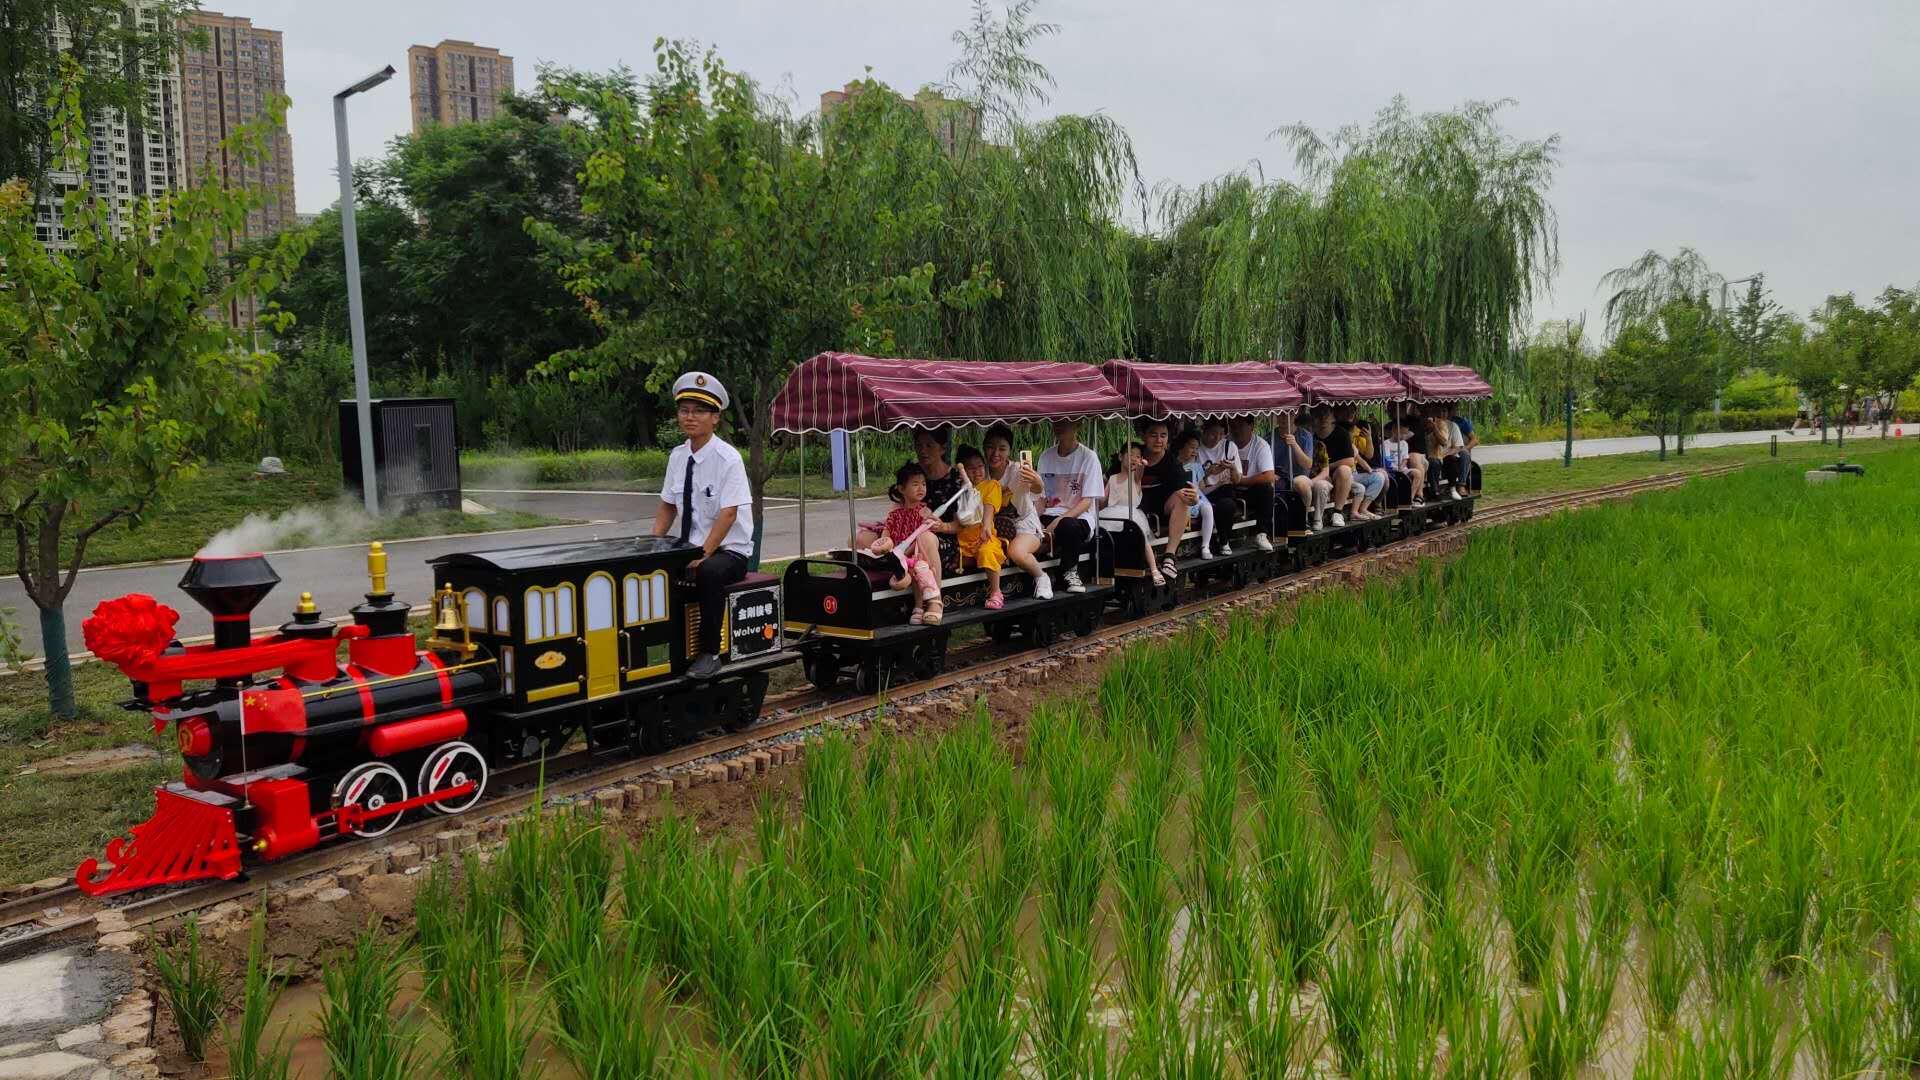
{"points": [[1489, 454], [51, 1010], [337, 576]]}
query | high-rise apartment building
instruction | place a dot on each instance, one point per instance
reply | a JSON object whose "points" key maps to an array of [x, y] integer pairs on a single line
{"points": [[457, 82], [126, 160], [225, 82], [955, 124]]}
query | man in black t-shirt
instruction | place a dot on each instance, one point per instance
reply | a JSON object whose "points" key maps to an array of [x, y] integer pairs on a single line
{"points": [[1337, 437]]}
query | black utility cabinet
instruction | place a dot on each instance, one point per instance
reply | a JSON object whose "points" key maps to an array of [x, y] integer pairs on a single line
{"points": [[416, 452]]}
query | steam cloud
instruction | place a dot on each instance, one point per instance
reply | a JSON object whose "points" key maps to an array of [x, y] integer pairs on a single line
{"points": [[313, 524]]}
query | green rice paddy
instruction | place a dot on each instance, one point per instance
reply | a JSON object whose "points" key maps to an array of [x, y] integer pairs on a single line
{"points": [[1630, 790]]}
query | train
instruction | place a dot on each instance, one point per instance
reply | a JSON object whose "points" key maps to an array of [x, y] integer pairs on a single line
{"points": [[287, 744]]}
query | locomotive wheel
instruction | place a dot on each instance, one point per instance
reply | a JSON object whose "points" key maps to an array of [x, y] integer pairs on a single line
{"points": [[866, 678], [370, 786], [450, 766], [1086, 620]]}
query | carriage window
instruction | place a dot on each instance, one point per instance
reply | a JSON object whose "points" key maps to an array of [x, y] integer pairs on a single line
{"points": [[563, 597], [599, 602], [476, 602], [536, 614], [500, 611], [644, 598]]}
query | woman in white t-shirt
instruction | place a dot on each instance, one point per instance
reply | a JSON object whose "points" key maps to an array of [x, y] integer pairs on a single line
{"points": [[1124, 497], [1020, 483], [1071, 486]]}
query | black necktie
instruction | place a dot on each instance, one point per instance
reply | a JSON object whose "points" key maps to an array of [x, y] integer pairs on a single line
{"points": [[686, 502]]}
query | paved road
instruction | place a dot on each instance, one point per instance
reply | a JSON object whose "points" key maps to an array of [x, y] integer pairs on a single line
{"points": [[1646, 444], [337, 576]]}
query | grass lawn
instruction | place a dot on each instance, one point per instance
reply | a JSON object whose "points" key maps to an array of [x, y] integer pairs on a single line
{"points": [[1526, 479], [222, 496]]}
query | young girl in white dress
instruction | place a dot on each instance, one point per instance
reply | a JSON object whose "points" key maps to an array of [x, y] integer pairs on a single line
{"points": [[1123, 500]]}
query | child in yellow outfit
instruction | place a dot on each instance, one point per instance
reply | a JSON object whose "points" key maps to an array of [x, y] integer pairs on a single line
{"points": [[980, 543]]}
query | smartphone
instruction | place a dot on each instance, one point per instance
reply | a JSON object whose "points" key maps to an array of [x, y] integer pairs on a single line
{"points": [[1026, 458]]}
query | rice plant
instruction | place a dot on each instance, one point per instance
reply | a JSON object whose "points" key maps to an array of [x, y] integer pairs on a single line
{"points": [[1563, 1032], [249, 1055], [1901, 1018], [1350, 985], [1757, 1028], [190, 982], [1076, 771], [1294, 885], [610, 1036], [1668, 963], [1840, 1015], [364, 1040], [469, 979]]}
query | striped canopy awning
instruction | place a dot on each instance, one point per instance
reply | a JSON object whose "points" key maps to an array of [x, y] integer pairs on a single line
{"points": [[1343, 384], [1449, 382], [863, 393], [1164, 391]]}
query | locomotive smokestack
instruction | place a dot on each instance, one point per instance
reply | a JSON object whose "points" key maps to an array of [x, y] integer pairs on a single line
{"points": [[229, 587]]}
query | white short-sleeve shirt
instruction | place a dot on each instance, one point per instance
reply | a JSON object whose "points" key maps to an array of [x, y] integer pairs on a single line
{"points": [[1256, 457], [1068, 478], [1020, 498], [1225, 451], [719, 481]]}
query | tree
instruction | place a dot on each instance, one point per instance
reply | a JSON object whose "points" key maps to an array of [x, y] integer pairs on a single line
{"points": [[116, 377], [1663, 365], [1642, 289], [1419, 238], [111, 51], [316, 294], [1558, 367], [1752, 326]]}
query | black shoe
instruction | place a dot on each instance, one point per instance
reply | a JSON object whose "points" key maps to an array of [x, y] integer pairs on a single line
{"points": [[705, 667]]}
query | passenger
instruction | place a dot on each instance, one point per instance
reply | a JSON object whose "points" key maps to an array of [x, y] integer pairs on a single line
{"points": [[1165, 490], [1449, 449], [903, 526], [1297, 448], [1071, 486], [1402, 458], [1255, 483], [943, 483], [1124, 493], [707, 496], [1186, 450], [980, 543], [1221, 468], [1334, 461], [1468, 441], [1018, 522], [1369, 477]]}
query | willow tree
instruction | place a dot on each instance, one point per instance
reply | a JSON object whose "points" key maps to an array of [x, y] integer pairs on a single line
{"points": [[1419, 238], [1639, 290]]}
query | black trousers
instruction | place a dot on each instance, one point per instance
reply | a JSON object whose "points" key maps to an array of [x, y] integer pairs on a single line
{"points": [[1070, 539], [1259, 501], [1226, 505], [710, 581], [1456, 469]]}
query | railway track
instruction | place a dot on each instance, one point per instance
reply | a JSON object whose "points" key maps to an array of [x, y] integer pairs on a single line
{"points": [[580, 772]]}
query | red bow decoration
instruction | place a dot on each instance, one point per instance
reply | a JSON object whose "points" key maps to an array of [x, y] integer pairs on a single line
{"points": [[129, 631]]}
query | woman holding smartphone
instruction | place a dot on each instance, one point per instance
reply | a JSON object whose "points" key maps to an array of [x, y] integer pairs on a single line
{"points": [[1020, 483]]}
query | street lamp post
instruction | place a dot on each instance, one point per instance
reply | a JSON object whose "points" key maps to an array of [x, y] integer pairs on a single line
{"points": [[356, 317]]}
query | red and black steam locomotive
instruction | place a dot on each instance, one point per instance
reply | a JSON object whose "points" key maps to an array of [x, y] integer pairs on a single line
{"points": [[531, 646]]}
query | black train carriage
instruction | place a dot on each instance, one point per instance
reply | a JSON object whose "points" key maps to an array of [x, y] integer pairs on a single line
{"points": [[597, 636], [1183, 394], [841, 608]]}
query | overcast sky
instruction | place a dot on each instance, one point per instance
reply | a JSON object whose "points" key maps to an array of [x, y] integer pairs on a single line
{"points": [[1772, 136]]}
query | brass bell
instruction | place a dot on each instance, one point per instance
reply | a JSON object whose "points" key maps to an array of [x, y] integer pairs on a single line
{"points": [[447, 614]]}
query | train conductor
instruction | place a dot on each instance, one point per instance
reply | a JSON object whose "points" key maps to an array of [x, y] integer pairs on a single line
{"points": [[706, 501]]}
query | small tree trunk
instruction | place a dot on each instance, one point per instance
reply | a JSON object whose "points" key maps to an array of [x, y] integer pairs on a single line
{"points": [[53, 641], [1661, 433]]}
